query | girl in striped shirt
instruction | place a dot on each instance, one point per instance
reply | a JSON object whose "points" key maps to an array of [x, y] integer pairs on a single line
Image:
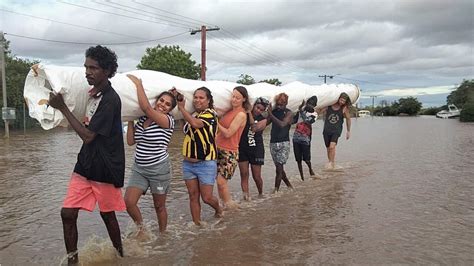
{"points": [[152, 167]]}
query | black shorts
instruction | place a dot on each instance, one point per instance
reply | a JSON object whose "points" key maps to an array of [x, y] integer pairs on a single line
{"points": [[253, 155], [302, 152], [330, 137]]}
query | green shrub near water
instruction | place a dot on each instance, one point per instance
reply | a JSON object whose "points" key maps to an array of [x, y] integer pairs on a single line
{"points": [[467, 112], [432, 110]]}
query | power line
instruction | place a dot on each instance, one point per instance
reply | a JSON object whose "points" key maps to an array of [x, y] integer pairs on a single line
{"points": [[93, 43], [143, 11], [197, 22], [272, 57], [120, 15], [248, 52], [69, 24], [209, 51], [238, 49], [377, 83], [260, 54], [253, 52], [200, 22], [252, 46]]}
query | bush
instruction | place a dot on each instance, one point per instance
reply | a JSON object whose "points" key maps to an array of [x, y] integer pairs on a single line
{"points": [[431, 110], [467, 112], [387, 110]]}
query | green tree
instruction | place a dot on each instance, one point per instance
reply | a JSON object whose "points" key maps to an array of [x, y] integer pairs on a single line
{"points": [[171, 60], [245, 79], [275, 81], [16, 70], [391, 110], [463, 94], [409, 105], [467, 112]]}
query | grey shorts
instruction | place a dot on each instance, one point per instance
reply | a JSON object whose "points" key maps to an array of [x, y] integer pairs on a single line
{"points": [[157, 177], [280, 151]]}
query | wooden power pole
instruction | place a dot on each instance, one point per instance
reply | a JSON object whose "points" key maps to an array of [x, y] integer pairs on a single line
{"points": [[203, 31], [327, 76], [4, 83]]}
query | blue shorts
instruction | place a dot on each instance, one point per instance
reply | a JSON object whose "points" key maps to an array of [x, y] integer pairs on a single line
{"points": [[204, 171]]}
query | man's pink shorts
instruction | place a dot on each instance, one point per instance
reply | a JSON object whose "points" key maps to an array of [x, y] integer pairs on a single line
{"points": [[84, 194]]}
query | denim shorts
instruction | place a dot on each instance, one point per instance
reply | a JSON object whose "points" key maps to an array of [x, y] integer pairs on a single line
{"points": [[204, 171], [157, 177]]}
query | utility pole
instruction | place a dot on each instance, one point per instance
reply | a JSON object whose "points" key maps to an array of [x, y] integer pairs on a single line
{"points": [[327, 76], [203, 31], [4, 83], [373, 105]]}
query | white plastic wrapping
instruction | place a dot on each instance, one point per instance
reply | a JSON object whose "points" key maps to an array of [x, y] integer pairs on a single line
{"points": [[71, 82]]}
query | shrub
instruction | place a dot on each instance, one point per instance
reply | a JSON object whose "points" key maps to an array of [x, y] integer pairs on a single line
{"points": [[431, 110], [467, 112]]}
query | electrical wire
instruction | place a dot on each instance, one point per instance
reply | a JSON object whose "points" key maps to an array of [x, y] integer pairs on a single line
{"points": [[198, 22], [125, 7], [69, 24], [377, 83], [92, 43], [120, 15]]}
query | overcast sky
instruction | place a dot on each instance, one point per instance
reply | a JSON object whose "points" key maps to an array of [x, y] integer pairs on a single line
{"points": [[391, 49]]}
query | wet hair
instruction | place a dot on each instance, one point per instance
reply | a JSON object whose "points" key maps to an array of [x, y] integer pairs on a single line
{"points": [[311, 103], [281, 95], [106, 58], [208, 95], [345, 96], [173, 99], [242, 90], [262, 101], [309, 108]]}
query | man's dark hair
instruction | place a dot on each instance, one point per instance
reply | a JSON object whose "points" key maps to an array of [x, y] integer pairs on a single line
{"points": [[106, 58]]}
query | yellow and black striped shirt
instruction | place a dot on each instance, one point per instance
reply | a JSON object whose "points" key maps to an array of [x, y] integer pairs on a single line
{"points": [[199, 143]]}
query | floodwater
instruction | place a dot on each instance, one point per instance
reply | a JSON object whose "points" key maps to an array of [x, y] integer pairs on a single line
{"points": [[404, 196]]}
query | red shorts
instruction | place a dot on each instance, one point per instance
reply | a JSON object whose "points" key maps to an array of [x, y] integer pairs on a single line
{"points": [[84, 194]]}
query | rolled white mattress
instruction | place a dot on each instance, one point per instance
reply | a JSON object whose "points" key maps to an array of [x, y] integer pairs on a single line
{"points": [[71, 82]]}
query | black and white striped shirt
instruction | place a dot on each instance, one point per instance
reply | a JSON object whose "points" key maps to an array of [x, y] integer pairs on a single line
{"points": [[152, 142]]}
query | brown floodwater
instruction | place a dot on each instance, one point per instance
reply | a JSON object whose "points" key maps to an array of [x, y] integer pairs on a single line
{"points": [[404, 196]]}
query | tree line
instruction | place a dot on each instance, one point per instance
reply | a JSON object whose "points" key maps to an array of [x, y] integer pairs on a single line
{"points": [[462, 97]]}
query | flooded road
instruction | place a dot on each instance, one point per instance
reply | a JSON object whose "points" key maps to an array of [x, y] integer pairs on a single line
{"points": [[404, 196]]}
